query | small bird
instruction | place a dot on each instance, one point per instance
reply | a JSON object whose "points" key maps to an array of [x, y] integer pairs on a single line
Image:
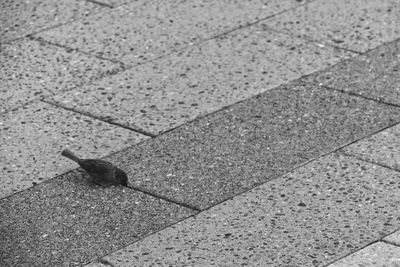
{"points": [[101, 171]]}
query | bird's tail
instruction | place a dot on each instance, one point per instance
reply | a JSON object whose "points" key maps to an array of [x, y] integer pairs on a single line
{"points": [[67, 153]]}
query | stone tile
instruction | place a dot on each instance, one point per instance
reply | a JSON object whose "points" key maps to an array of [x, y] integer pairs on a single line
{"points": [[33, 137], [358, 25], [218, 156], [376, 255], [30, 70], [168, 92], [20, 18], [69, 221], [156, 27], [309, 217], [382, 148], [374, 75], [394, 238]]}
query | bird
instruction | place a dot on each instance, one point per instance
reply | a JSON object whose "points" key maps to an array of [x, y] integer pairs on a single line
{"points": [[101, 171]]}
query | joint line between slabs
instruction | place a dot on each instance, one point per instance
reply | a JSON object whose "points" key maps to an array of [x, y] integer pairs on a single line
{"points": [[140, 131]]}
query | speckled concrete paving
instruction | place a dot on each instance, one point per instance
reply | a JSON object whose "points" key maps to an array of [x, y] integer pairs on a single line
{"points": [[300, 170], [20, 18], [33, 137], [358, 25], [166, 93], [32, 70], [138, 33], [382, 148], [219, 156], [375, 74], [309, 217], [69, 221], [376, 255]]}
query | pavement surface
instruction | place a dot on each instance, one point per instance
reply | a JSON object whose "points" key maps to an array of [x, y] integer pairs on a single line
{"points": [[253, 133]]}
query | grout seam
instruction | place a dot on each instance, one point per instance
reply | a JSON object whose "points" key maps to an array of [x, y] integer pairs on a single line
{"points": [[100, 3], [134, 129]]}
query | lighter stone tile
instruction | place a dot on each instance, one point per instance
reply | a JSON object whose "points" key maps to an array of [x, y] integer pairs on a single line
{"points": [[33, 137]]}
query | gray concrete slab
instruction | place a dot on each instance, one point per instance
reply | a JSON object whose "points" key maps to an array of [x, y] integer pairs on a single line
{"points": [[310, 217], [393, 238], [31, 70], [218, 156], [382, 148], [376, 255], [170, 91], [155, 28], [358, 25], [33, 137], [20, 18], [375, 74], [69, 221]]}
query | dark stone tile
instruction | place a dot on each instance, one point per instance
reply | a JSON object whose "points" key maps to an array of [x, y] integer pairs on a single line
{"points": [[375, 74], [237, 148], [312, 216], [68, 221]]}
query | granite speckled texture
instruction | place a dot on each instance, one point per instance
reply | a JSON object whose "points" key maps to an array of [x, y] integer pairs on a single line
{"points": [[69, 221], [115, 3], [23, 17], [375, 74], [33, 137], [30, 70], [309, 217], [168, 92], [376, 255], [138, 33], [218, 156], [382, 148], [358, 25], [393, 238]]}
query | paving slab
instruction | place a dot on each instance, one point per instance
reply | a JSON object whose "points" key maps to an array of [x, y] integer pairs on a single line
{"points": [[30, 70], [309, 217], [218, 156], [357, 25], [20, 18], [33, 137], [69, 221], [168, 92], [375, 74], [393, 238], [376, 255], [382, 148], [136, 33]]}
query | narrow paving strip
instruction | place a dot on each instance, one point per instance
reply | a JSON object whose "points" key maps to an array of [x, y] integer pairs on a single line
{"points": [[136, 33], [309, 217], [358, 25], [33, 137], [166, 93], [69, 221], [218, 156], [376, 255], [375, 74], [20, 18], [30, 70]]}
